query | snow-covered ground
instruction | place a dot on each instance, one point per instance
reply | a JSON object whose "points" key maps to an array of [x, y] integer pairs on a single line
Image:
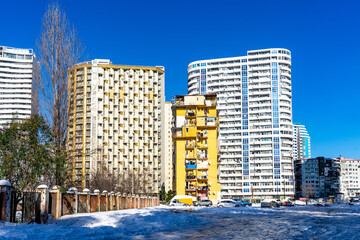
{"points": [[309, 222]]}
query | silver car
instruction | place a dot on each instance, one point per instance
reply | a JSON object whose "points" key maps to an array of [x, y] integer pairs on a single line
{"points": [[177, 203], [228, 203]]}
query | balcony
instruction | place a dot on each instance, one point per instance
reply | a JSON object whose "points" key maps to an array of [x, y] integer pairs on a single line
{"points": [[202, 146], [190, 156], [190, 166], [190, 178], [190, 114], [202, 156], [203, 188], [190, 145], [203, 177], [202, 135]]}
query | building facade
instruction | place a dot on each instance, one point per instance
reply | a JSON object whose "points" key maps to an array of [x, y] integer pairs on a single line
{"points": [[167, 150], [114, 119], [349, 177], [254, 100], [195, 146], [317, 178], [16, 84], [302, 146]]}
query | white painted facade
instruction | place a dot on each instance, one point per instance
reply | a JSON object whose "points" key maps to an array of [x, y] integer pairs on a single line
{"points": [[16, 74], [166, 151], [254, 100], [349, 177]]}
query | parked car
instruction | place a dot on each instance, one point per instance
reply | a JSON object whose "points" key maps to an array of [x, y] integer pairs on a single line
{"points": [[245, 204], [279, 202], [300, 203], [289, 202], [204, 203], [270, 203], [177, 203], [228, 203], [354, 201]]}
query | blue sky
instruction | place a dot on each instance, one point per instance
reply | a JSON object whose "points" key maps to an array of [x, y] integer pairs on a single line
{"points": [[323, 37]]}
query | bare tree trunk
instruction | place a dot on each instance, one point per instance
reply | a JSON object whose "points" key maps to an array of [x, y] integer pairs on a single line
{"points": [[58, 48]]}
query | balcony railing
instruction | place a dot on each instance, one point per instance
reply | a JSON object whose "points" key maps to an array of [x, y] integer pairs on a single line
{"points": [[190, 166]]}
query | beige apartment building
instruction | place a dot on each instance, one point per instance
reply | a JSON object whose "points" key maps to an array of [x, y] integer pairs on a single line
{"points": [[167, 146], [114, 119]]}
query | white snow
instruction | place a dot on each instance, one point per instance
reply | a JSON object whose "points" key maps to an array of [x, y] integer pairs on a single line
{"points": [[163, 222]]}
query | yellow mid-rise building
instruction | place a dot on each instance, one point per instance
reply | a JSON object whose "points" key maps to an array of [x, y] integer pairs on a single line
{"points": [[195, 146]]}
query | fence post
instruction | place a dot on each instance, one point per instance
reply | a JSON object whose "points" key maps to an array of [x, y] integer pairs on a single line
{"points": [[118, 202], [106, 200], [87, 191], [124, 197], [112, 200], [128, 201], [97, 192], [5, 193], [56, 208], [44, 202], [137, 201], [74, 191]]}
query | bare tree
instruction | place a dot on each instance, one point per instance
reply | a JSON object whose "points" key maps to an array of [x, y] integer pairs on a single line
{"points": [[58, 49], [104, 179]]}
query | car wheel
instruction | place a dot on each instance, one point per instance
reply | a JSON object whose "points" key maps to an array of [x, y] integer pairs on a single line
{"points": [[220, 206], [237, 206]]}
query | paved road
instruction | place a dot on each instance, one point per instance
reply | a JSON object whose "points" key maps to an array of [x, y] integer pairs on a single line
{"points": [[310, 222]]}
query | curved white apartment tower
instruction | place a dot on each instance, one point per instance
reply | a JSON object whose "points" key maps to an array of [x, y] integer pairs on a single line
{"points": [[255, 120], [302, 146], [16, 69]]}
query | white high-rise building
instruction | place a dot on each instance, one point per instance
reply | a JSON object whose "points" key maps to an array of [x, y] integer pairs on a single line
{"points": [[16, 74], [302, 147], [255, 112], [166, 148]]}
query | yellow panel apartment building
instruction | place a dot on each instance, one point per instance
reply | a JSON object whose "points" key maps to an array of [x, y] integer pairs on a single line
{"points": [[114, 118], [195, 146]]}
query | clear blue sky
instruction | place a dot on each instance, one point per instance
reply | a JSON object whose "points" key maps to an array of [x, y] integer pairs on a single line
{"points": [[323, 37]]}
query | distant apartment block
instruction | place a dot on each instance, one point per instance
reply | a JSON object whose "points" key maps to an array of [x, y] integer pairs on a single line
{"points": [[114, 119], [16, 83], [302, 147], [254, 100], [167, 150], [349, 177], [195, 146], [317, 178]]}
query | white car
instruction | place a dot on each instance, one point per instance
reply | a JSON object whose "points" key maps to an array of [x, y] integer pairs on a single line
{"points": [[177, 203], [228, 203], [299, 203]]}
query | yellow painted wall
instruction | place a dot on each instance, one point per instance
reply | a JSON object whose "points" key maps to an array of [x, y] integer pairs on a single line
{"points": [[212, 158], [190, 134], [180, 167], [212, 112]]}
